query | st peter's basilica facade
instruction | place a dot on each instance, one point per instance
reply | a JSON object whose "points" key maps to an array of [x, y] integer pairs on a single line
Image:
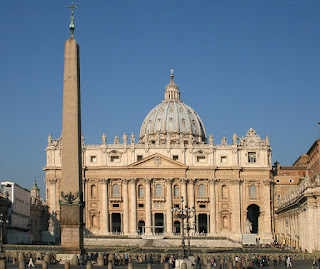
{"points": [[130, 188]]}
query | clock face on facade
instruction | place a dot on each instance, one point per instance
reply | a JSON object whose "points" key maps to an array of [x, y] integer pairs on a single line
{"points": [[251, 141]]}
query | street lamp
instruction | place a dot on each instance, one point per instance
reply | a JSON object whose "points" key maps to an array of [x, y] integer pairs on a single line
{"points": [[183, 213], [2, 223], [189, 227]]}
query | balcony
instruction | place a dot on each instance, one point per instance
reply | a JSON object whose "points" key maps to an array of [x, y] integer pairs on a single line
{"points": [[160, 199], [202, 199], [115, 199]]}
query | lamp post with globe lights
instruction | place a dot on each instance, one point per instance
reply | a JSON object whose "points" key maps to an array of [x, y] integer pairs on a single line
{"points": [[189, 227], [184, 213], [2, 224]]}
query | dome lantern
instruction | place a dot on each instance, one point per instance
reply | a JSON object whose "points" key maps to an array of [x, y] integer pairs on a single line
{"points": [[172, 90]]}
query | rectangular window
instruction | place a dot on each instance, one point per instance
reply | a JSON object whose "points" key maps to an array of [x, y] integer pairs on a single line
{"points": [[115, 159], [278, 197], [201, 159], [141, 205], [115, 205], [202, 206], [175, 157], [223, 159], [251, 157], [93, 159], [176, 205], [139, 157]]}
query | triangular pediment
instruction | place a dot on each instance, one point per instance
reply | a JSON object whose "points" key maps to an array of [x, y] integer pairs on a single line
{"points": [[157, 161]]}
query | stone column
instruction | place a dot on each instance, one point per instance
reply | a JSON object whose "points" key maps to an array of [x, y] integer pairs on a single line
{"points": [[148, 205], [216, 191], [125, 206], [133, 204], [267, 217], [191, 199], [212, 208], [183, 183], [236, 207], [310, 224], [169, 206], [104, 220], [184, 195]]}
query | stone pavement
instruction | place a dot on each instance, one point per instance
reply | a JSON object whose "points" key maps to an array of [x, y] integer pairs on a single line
{"points": [[298, 264]]}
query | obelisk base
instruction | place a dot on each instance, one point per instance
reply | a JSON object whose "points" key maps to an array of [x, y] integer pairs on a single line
{"points": [[71, 228]]}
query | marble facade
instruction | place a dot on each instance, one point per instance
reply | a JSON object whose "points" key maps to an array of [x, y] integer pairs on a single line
{"points": [[130, 188]]}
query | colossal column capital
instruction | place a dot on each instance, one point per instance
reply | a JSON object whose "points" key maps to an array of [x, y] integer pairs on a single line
{"points": [[53, 180], [168, 180], [236, 181], [125, 180], [103, 181], [133, 180], [183, 180], [147, 180], [267, 181]]}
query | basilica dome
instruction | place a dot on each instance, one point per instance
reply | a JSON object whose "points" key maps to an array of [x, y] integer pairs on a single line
{"points": [[172, 120]]}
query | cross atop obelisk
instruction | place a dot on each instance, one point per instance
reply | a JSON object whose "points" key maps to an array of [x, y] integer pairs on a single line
{"points": [[72, 26]]}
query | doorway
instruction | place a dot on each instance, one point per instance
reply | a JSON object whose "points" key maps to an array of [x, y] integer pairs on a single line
{"points": [[253, 212]]}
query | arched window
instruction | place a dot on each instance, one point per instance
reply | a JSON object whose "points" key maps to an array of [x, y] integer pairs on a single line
{"points": [[115, 190], [202, 190], [140, 191], [93, 190], [158, 190], [176, 193], [253, 191], [224, 191]]}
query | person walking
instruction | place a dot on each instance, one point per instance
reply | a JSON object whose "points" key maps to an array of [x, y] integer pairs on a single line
{"points": [[314, 263], [289, 262], [30, 260], [275, 261]]}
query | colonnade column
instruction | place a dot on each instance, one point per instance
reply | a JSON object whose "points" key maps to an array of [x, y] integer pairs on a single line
{"points": [[169, 206], [213, 229], [133, 220], [148, 206], [125, 206], [104, 219], [191, 199], [311, 224]]}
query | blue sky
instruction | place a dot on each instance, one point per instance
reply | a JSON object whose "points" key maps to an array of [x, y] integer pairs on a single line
{"points": [[239, 64]]}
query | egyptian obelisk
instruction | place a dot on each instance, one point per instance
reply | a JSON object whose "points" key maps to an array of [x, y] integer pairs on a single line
{"points": [[71, 218]]}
